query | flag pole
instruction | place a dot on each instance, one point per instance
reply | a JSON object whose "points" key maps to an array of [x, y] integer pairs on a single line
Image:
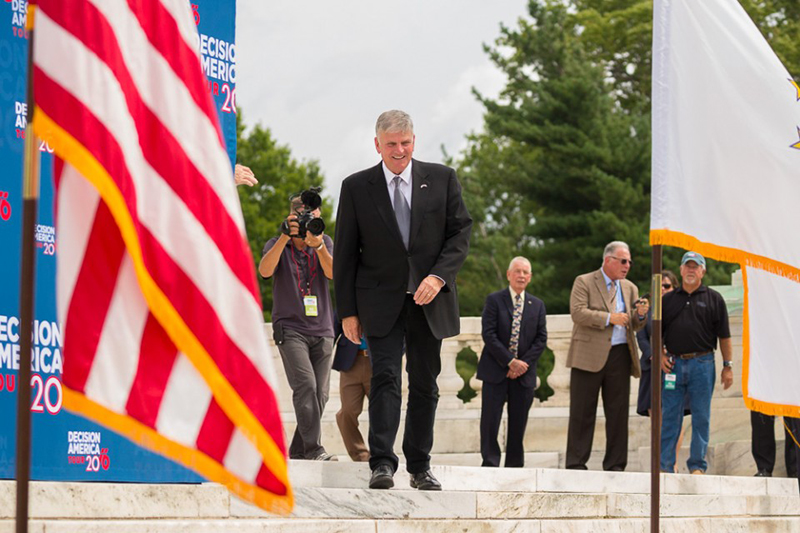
{"points": [[30, 199], [655, 391]]}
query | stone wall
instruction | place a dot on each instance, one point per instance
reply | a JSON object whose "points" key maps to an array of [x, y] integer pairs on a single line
{"points": [[559, 330]]}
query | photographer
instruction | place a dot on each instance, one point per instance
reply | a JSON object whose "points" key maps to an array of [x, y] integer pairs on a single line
{"points": [[301, 262]]}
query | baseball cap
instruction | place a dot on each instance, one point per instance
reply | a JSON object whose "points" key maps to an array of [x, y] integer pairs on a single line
{"points": [[693, 256]]}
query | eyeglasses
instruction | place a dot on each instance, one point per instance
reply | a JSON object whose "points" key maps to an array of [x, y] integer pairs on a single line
{"points": [[666, 285], [622, 260]]}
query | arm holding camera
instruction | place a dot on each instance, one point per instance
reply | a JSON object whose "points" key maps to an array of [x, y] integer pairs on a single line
{"points": [[271, 259], [325, 258]]}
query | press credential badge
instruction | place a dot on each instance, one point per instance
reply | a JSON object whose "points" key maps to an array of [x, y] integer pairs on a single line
{"points": [[310, 303]]}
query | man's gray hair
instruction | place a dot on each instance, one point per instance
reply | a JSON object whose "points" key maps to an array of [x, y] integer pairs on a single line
{"points": [[519, 258], [394, 121], [613, 246]]}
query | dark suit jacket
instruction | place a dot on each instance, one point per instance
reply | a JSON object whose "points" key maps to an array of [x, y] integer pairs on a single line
{"points": [[496, 331], [371, 264]]}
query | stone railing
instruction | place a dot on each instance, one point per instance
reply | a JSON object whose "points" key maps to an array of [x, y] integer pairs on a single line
{"points": [[559, 331]]}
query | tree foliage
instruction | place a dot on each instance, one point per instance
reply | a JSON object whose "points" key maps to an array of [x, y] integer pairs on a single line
{"points": [[618, 34], [562, 166], [569, 161], [266, 205]]}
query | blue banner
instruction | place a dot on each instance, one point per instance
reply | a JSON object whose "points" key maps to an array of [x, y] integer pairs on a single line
{"points": [[67, 447]]}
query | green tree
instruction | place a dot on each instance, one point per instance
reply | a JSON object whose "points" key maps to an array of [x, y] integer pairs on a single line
{"points": [[498, 213], [266, 205], [574, 167], [618, 34], [563, 164], [779, 21]]}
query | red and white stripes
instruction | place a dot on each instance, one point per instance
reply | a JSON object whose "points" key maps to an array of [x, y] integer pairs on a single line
{"points": [[156, 286]]}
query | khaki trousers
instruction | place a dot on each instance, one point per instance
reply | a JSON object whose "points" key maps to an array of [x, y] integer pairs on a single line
{"points": [[353, 388]]}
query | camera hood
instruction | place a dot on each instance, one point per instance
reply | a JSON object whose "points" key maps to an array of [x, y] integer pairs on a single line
{"points": [[311, 198]]}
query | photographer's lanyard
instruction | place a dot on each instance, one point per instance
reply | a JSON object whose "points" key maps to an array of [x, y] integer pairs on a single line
{"points": [[309, 301]]}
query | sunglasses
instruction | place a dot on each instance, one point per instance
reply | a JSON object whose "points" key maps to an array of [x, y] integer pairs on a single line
{"points": [[622, 260], [666, 285]]}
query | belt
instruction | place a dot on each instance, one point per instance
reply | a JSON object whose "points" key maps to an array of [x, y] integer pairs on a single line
{"points": [[363, 352], [690, 355]]}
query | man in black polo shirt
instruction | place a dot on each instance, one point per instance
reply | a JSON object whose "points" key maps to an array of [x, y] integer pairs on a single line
{"points": [[694, 317]]}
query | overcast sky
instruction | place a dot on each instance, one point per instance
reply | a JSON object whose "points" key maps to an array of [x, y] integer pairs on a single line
{"points": [[318, 73]]}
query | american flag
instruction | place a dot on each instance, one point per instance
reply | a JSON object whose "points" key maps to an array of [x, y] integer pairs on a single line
{"points": [[157, 295]]}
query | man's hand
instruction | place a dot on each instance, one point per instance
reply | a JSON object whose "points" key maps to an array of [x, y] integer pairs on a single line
{"points": [[351, 327], [666, 364], [313, 241], [428, 290], [294, 226], [244, 176], [619, 319], [516, 368], [727, 377], [642, 307]]}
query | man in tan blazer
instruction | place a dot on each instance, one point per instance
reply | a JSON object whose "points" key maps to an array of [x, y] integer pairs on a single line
{"points": [[606, 313]]}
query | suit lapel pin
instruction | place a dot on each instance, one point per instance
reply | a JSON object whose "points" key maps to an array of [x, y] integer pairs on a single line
{"points": [[423, 186]]}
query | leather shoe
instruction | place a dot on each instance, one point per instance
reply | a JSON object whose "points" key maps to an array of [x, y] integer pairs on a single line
{"points": [[425, 481], [325, 456], [763, 473], [381, 477]]}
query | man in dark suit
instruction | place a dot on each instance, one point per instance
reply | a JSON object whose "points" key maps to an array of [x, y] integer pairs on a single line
{"points": [[514, 330], [404, 233]]}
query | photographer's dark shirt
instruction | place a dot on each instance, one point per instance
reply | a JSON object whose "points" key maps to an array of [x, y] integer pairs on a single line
{"points": [[299, 274], [693, 322]]}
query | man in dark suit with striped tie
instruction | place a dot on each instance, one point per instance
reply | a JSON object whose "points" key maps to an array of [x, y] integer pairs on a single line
{"points": [[402, 235], [514, 330]]}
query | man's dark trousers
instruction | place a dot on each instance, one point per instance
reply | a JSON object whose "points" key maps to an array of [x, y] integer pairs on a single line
{"points": [[794, 428], [423, 364], [520, 399], [585, 387], [763, 444]]}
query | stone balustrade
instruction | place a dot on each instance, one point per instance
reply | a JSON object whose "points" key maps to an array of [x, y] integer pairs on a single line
{"points": [[559, 331]]}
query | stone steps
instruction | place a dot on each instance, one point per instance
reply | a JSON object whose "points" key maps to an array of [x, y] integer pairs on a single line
{"points": [[318, 474], [605, 525], [532, 459], [457, 432], [332, 497]]}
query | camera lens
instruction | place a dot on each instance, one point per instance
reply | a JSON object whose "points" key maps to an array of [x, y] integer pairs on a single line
{"points": [[316, 226]]}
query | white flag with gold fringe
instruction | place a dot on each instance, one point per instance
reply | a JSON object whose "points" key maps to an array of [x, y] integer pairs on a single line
{"points": [[726, 175]]}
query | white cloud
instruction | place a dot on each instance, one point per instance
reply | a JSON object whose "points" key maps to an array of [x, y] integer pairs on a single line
{"points": [[319, 73]]}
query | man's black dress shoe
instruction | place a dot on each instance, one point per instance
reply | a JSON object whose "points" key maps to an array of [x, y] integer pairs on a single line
{"points": [[381, 477], [425, 481], [763, 473]]}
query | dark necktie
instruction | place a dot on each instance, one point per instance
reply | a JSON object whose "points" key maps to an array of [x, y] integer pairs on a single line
{"points": [[402, 211], [513, 344]]}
